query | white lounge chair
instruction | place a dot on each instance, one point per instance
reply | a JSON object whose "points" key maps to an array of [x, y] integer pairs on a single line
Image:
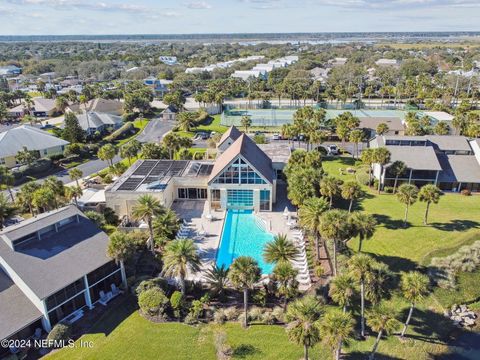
{"points": [[115, 291]]}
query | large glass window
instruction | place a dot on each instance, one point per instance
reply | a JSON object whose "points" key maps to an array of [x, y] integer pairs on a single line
{"points": [[66, 309], [102, 272], [192, 193], [239, 172], [64, 294], [105, 285], [240, 198], [265, 200]]}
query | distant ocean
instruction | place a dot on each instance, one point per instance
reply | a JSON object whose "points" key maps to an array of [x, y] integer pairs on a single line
{"points": [[250, 38]]}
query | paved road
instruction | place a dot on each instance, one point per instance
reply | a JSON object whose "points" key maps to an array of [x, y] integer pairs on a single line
{"points": [[155, 130]]}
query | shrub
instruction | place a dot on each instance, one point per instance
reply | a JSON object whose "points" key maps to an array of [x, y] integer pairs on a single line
{"points": [[375, 184], [153, 301], [107, 179], [268, 318], [219, 317], [279, 314], [260, 139], [176, 300], [149, 284], [110, 216], [241, 318], [190, 319], [362, 178], [319, 271], [96, 217], [231, 313], [56, 157], [466, 192], [256, 313], [388, 189], [60, 332], [126, 128], [260, 297]]}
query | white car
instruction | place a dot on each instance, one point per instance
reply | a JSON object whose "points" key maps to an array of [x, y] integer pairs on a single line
{"points": [[332, 149], [276, 137]]}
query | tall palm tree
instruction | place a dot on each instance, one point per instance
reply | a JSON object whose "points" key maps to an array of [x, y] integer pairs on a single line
{"points": [[244, 273], [285, 277], [407, 194], [398, 168], [217, 278], [381, 156], [335, 226], [429, 194], [356, 136], [181, 256], [309, 216], [75, 174], [381, 320], [146, 209], [166, 224], [106, 153], [73, 193], [280, 249], [84, 101], [120, 246], [367, 158], [351, 190], [363, 225], [342, 289], [43, 199], [414, 287], [304, 319], [329, 187], [360, 267], [336, 328], [246, 122], [57, 187]]}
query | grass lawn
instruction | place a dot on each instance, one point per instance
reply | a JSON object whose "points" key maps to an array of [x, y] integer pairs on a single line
{"points": [[213, 126], [139, 124]]}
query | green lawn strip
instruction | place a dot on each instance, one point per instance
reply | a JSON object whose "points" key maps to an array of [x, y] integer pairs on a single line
{"points": [[139, 125], [466, 291]]}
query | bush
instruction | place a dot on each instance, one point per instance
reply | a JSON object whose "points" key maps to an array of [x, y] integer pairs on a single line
{"points": [[260, 139], [149, 284], [96, 217], [56, 157], [466, 192], [176, 301], [268, 318], [107, 179], [153, 302], [60, 332], [219, 317], [260, 297], [256, 313], [319, 271], [241, 318], [375, 184], [388, 189], [279, 314], [110, 216], [190, 319], [231, 313], [362, 178]]}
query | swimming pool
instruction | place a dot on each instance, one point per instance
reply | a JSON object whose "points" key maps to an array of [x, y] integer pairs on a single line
{"points": [[242, 235]]}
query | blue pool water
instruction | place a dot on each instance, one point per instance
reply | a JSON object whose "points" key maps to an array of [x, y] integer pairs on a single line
{"points": [[242, 236]]}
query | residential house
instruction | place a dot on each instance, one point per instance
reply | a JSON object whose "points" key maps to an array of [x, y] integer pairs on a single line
{"points": [[92, 121], [450, 162], [53, 268], [10, 70], [387, 62], [98, 105], [159, 86], [14, 140], [41, 108], [170, 113], [370, 124]]}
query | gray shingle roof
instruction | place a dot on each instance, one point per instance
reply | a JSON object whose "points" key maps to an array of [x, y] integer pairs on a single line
{"points": [[459, 168], [232, 133], [96, 120], [415, 157], [12, 141], [450, 142], [16, 310], [56, 261], [393, 123], [247, 148]]}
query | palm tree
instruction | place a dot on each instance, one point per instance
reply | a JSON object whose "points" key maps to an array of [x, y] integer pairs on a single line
{"points": [[107, 152], [329, 187], [397, 169], [367, 158], [342, 289], [381, 320], [61, 103], [246, 122], [382, 129], [57, 187], [7, 209], [304, 320], [180, 257], [25, 195], [43, 199], [147, 208], [364, 226], [336, 328], [351, 190], [217, 278], [73, 192], [407, 194], [285, 277], [166, 225], [7, 179], [309, 216], [414, 287], [75, 174], [120, 247], [335, 226], [356, 136], [186, 121], [244, 273], [130, 150], [430, 194], [279, 250], [381, 156], [84, 101], [360, 266]]}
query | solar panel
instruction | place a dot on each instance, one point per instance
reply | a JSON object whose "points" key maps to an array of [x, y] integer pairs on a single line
{"points": [[177, 168], [205, 170], [194, 169], [145, 167], [161, 168], [150, 179], [130, 184]]}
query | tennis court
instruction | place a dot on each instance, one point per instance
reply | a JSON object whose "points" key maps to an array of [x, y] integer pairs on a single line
{"points": [[278, 117]]}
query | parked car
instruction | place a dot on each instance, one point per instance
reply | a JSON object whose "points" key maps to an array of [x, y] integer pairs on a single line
{"points": [[276, 137], [332, 149]]}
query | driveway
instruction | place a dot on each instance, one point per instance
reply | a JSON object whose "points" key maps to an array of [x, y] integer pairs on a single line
{"points": [[155, 130]]}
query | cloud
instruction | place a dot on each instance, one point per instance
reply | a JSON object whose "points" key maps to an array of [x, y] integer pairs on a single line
{"points": [[397, 4], [199, 5], [79, 4]]}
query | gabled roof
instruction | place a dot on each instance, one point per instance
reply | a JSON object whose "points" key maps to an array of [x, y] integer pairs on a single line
{"points": [[97, 119], [245, 147], [12, 141], [232, 133], [100, 105]]}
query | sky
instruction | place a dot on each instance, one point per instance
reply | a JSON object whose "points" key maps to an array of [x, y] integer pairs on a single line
{"points": [[73, 17]]}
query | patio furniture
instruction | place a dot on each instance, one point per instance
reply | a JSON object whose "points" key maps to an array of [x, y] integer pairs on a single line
{"points": [[105, 298], [73, 317], [115, 290], [38, 334]]}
